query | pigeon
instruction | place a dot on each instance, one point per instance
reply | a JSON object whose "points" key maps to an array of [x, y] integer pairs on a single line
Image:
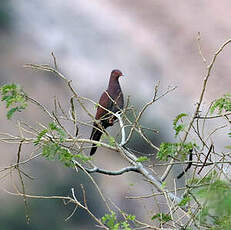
{"points": [[112, 100]]}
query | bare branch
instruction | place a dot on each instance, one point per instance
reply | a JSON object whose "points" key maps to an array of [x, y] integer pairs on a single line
{"points": [[206, 158], [22, 184], [55, 63], [113, 173], [199, 48]]}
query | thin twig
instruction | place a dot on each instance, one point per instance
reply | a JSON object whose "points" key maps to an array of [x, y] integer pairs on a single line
{"points": [[54, 58], [206, 158], [22, 184], [199, 47]]}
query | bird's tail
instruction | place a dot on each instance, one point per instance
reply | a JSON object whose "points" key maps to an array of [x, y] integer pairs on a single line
{"points": [[95, 136]]}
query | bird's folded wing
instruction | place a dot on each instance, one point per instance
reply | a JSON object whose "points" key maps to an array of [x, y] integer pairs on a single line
{"points": [[105, 102]]}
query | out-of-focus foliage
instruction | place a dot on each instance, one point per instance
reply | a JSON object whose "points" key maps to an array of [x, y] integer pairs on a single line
{"points": [[5, 15], [216, 211]]}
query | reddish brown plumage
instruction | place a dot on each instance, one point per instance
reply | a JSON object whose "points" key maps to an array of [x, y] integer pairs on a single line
{"points": [[112, 100]]}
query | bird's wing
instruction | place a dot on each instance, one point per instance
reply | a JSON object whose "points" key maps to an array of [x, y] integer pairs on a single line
{"points": [[119, 103], [105, 102], [109, 104]]}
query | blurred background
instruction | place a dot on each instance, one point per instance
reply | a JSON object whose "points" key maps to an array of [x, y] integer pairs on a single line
{"points": [[149, 41]]}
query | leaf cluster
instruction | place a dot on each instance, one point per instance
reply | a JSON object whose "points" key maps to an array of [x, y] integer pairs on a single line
{"points": [[54, 149], [222, 104], [179, 127], [162, 217], [15, 98], [110, 220], [170, 149]]}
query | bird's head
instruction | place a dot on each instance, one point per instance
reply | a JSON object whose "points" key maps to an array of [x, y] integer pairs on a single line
{"points": [[116, 73]]}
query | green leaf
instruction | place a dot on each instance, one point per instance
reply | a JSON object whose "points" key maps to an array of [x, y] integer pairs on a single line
{"points": [[163, 185], [111, 141], [50, 150], [170, 149], [83, 157], [60, 132], [40, 135], [142, 159], [166, 150], [180, 127], [178, 117], [98, 144], [14, 97], [52, 126], [11, 112], [53, 151], [184, 201], [162, 217], [125, 225], [110, 220], [222, 104], [130, 217]]}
